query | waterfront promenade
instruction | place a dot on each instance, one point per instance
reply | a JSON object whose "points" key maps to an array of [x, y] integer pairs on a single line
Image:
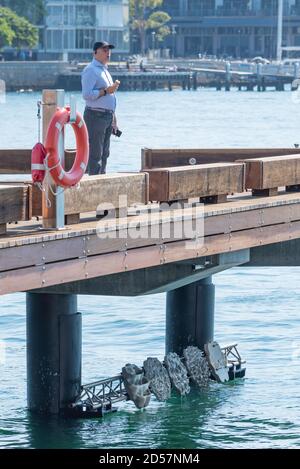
{"points": [[185, 74]]}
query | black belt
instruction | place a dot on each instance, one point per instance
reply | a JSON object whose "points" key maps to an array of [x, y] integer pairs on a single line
{"points": [[99, 110]]}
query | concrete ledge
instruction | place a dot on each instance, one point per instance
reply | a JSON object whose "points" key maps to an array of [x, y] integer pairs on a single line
{"points": [[31, 75]]}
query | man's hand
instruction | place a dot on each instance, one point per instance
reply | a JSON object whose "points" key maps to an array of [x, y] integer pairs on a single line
{"points": [[113, 88]]}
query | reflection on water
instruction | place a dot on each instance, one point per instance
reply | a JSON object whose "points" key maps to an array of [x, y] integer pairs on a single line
{"points": [[156, 427]]}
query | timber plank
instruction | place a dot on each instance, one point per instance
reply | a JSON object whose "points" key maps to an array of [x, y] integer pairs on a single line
{"points": [[184, 182], [18, 161], [141, 232], [108, 190], [72, 219], [164, 158], [42, 253], [265, 192], [240, 204], [35, 195], [107, 264], [272, 172], [14, 203]]}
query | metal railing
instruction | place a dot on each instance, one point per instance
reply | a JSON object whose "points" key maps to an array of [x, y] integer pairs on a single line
{"points": [[221, 11], [232, 354], [102, 394]]}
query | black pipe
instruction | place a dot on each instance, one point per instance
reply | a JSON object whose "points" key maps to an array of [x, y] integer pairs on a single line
{"points": [[53, 351], [190, 316]]}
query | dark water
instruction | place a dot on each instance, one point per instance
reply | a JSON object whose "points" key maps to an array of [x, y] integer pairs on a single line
{"points": [[258, 308]]}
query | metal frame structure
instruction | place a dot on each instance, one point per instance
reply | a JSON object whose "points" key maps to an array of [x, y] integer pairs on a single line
{"points": [[101, 394], [232, 354], [99, 397]]}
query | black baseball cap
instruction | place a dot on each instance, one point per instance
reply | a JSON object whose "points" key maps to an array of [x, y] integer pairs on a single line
{"points": [[100, 44]]}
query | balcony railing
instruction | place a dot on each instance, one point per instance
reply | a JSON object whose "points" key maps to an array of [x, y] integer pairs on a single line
{"points": [[221, 11]]}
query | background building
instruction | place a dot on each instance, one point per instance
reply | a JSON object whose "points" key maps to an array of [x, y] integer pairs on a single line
{"points": [[72, 26], [237, 28]]}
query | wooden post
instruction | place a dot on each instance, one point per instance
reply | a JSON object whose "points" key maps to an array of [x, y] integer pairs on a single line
{"points": [[189, 82], [53, 206], [195, 81]]}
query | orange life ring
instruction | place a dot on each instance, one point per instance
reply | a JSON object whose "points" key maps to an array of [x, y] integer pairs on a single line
{"points": [[38, 155], [59, 175]]}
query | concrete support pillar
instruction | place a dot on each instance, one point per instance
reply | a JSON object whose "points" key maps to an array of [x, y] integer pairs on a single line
{"points": [[53, 351], [190, 316]]}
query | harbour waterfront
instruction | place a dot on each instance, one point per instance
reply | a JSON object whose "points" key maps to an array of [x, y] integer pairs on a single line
{"points": [[256, 307]]}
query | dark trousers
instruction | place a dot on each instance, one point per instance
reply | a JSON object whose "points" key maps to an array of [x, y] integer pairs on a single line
{"points": [[99, 125]]}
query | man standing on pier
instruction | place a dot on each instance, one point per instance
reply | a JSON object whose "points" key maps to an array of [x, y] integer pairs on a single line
{"points": [[98, 90]]}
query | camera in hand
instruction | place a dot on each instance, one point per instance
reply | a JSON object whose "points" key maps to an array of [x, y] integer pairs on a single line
{"points": [[116, 132]]}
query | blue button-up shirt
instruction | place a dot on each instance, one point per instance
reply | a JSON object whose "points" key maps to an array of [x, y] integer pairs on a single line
{"points": [[94, 78]]}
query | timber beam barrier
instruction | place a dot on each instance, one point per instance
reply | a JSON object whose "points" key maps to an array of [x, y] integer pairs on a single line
{"points": [[17, 161], [107, 192], [15, 205], [265, 175], [116, 192], [210, 182], [165, 158]]}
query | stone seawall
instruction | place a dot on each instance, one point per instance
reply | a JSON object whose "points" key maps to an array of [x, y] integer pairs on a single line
{"points": [[32, 75]]}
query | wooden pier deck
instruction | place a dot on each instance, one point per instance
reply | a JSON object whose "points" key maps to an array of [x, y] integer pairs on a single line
{"points": [[135, 81], [33, 258], [155, 236]]}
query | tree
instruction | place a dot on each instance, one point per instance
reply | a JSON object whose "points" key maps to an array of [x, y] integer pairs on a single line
{"points": [[18, 32], [145, 16], [33, 10], [6, 34]]}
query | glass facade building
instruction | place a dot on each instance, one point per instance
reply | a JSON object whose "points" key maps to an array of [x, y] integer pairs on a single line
{"points": [[237, 28], [72, 26]]}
